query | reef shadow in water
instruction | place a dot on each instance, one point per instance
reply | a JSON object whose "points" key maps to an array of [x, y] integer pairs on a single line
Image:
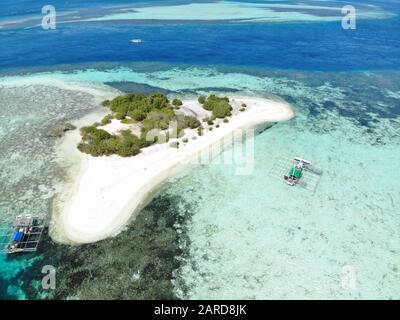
{"points": [[139, 263], [130, 86]]}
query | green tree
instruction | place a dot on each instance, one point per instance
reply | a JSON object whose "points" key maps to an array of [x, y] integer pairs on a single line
{"points": [[137, 114], [106, 103], [158, 100], [212, 101], [191, 122], [176, 102], [107, 119], [221, 109], [91, 133]]}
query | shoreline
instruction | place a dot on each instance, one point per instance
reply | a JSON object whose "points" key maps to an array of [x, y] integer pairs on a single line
{"points": [[102, 194]]}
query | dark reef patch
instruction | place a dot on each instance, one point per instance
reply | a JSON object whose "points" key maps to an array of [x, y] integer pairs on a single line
{"points": [[129, 86], [213, 89], [137, 264], [4, 295]]}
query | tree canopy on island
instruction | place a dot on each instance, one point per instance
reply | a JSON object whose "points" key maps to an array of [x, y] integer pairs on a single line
{"points": [[137, 106], [98, 142], [152, 112], [219, 106]]}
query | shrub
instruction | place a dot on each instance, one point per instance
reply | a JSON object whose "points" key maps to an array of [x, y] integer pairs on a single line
{"points": [[176, 102], [98, 142], [200, 130], [148, 124], [128, 121], [128, 144], [244, 105], [127, 151], [121, 111], [185, 140], [201, 99], [107, 146], [192, 122], [137, 114], [208, 105], [222, 109], [226, 120], [217, 126], [160, 118], [137, 106], [106, 103], [213, 100], [157, 100], [91, 133], [219, 106], [210, 122], [210, 128], [106, 119]]}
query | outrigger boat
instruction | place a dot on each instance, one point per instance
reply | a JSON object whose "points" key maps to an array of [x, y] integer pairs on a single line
{"points": [[22, 235], [297, 171]]}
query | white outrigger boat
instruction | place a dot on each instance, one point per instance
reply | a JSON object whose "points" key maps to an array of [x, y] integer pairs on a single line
{"points": [[296, 172], [301, 172]]}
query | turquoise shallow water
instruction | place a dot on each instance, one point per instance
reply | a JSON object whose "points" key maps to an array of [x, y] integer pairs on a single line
{"points": [[246, 236], [255, 237], [210, 233], [28, 175]]}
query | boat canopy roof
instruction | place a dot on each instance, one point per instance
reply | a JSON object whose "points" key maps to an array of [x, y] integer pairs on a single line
{"points": [[18, 236], [295, 172]]}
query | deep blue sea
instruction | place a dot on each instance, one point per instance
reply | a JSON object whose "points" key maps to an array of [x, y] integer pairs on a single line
{"points": [[343, 83], [293, 45]]}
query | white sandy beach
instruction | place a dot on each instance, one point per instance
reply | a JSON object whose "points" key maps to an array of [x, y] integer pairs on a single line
{"points": [[103, 193]]}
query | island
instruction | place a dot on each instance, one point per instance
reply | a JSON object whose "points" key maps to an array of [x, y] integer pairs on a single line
{"points": [[139, 143]]}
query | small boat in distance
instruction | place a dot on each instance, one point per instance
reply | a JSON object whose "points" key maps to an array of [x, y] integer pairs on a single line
{"points": [[136, 40]]}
